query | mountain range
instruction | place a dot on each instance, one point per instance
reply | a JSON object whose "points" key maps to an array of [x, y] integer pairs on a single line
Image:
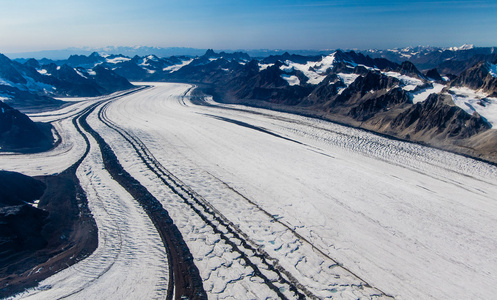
{"points": [[31, 87], [440, 97], [158, 51], [424, 57], [452, 60]]}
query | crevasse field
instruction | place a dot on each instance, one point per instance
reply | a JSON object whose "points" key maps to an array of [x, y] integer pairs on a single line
{"points": [[338, 212]]}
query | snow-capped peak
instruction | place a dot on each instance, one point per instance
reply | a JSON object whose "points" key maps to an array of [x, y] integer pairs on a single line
{"points": [[326, 63], [117, 59], [463, 47]]}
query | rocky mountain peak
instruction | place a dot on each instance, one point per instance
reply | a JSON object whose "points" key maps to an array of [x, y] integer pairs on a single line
{"points": [[477, 77], [9, 70], [210, 53], [32, 63], [438, 117], [408, 68], [434, 75], [18, 132], [94, 55]]}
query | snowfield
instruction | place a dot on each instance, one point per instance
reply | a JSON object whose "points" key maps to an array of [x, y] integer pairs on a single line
{"points": [[275, 205], [423, 94], [475, 101], [409, 83], [315, 71]]}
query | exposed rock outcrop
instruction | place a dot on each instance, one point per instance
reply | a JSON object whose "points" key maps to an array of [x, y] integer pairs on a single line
{"points": [[19, 133], [478, 77], [439, 118], [434, 75]]}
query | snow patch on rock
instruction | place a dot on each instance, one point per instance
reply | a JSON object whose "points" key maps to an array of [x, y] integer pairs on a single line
{"points": [[291, 79]]}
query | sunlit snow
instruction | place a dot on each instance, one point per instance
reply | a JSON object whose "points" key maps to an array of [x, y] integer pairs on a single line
{"points": [[117, 60], [493, 70], [463, 47], [80, 74], [5, 82], [396, 213], [174, 68], [333, 206], [291, 79], [422, 95], [471, 101], [347, 78], [315, 71], [410, 83], [264, 66]]}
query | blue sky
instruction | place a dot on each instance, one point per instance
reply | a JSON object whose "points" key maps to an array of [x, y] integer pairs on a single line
{"points": [[30, 25]]}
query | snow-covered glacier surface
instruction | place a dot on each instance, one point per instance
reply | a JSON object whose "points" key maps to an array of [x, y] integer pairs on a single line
{"points": [[340, 212], [412, 221]]}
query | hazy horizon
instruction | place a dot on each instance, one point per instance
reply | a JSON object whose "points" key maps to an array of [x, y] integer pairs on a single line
{"points": [[30, 26]]}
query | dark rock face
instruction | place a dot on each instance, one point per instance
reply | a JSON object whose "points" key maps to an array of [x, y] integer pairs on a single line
{"points": [[24, 100], [110, 81], [360, 59], [60, 232], [32, 63], [373, 81], [30, 86], [131, 71], [438, 116], [70, 83], [84, 61], [408, 68], [434, 75], [79, 82], [268, 85], [369, 107], [445, 60], [237, 56], [477, 77], [9, 72], [18, 132], [17, 189], [325, 91], [363, 99], [458, 66], [21, 225], [20, 230]]}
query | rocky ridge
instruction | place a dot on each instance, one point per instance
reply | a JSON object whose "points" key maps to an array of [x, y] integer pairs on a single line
{"points": [[32, 86], [19, 133]]}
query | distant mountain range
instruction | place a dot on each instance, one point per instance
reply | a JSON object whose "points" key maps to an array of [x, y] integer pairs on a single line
{"points": [[443, 97], [31, 87], [446, 59], [157, 51]]}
